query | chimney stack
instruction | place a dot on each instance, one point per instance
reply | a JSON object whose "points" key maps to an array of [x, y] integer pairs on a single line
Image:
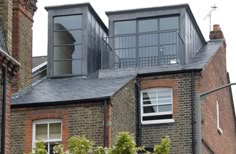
{"points": [[22, 22], [216, 33]]}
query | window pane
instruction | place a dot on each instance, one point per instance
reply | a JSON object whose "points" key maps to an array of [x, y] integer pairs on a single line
{"points": [[149, 95], [67, 67], [41, 131], [126, 54], [67, 52], [164, 108], [164, 94], [55, 131], [169, 51], [168, 38], [68, 22], [125, 27], [147, 25], [147, 40], [150, 109], [169, 23], [125, 42], [67, 37], [164, 101], [150, 52]]}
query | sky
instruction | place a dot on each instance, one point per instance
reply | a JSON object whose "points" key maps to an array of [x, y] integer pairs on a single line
{"points": [[223, 16]]}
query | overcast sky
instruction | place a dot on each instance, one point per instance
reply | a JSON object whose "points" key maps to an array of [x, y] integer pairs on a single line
{"points": [[200, 8]]}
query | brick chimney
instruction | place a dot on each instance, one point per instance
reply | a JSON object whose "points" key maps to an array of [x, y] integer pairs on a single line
{"points": [[6, 17], [23, 11], [216, 33]]}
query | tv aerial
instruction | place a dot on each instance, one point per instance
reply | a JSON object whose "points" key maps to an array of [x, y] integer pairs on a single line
{"points": [[213, 8]]}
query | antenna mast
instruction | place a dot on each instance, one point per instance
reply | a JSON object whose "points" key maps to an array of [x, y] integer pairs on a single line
{"points": [[213, 8]]}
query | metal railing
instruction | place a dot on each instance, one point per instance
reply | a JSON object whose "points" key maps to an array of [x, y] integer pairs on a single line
{"points": [[142, 49]]}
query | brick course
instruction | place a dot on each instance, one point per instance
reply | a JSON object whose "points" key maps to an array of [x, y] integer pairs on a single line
{"points": [[123, 111], [22, 45], [215, 75], [6, 15], [79, 119], [180, 131]]}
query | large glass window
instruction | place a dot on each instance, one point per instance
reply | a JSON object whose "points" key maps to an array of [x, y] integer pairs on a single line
{"points": [[169, 23], [49, 131], [156, 105], [125, 44], [125, 27], [146, 42], [67, 45]]}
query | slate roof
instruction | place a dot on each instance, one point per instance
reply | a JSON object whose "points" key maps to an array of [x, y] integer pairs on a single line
{"points": [[70, 89], [198, 62], [110, 81], [36, 61]]}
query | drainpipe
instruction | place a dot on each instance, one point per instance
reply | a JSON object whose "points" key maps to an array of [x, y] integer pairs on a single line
{"points": [[4, 87], [105, 124], [192, 110], [138, 115]]}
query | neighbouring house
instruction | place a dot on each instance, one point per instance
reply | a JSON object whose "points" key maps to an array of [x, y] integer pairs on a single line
{"points": [[140, 76], [39, 68], [8, 69]]}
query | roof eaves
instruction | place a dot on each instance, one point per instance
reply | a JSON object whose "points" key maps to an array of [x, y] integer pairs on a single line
{"points": [[169, 72], [57, 103], [166, 7]]}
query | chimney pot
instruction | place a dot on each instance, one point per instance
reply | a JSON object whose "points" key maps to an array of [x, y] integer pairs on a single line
{"points": [[216, 27], [216, 33]]}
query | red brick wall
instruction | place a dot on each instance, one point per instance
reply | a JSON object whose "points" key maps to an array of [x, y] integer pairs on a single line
{"points": [[8, 116], [212, 76], [22, 44], [6, 16], [123, 111], [45, 114], [78, 119], [179, 131]]}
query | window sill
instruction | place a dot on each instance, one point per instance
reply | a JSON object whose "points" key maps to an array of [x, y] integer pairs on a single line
{"points": [[164, 121]]}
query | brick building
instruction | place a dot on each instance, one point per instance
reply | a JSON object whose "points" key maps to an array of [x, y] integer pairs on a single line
{"points": [[8, 69], [140, 76]]}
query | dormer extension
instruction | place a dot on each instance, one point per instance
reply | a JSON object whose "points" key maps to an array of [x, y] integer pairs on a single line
{"points": [[150, 37], [74, 35]]}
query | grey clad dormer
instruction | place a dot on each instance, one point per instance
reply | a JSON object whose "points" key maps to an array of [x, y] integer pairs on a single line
{"points": [[152, 37], [74, 35]]}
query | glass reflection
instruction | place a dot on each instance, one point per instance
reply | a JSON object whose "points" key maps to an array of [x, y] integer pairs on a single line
{"points": [[68, 22], [125, 27]]}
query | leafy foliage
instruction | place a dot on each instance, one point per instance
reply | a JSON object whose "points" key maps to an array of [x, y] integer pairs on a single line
{"points": [[59, 149], [163, 147], [79, 145], [124, 144], [40, 148]]}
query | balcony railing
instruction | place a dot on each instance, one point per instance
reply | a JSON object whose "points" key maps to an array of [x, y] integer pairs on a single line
{"points": [[142, 50]]}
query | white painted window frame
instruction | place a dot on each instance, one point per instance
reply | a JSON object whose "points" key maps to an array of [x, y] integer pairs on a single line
{"points": [[218, 118], [160, 121], [45, 121]]}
